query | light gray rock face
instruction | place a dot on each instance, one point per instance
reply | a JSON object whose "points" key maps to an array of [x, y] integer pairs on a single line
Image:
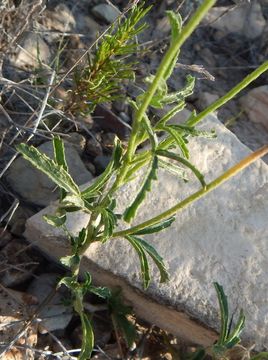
{"points": [[36, 187], [222, 237], [244, 19]]}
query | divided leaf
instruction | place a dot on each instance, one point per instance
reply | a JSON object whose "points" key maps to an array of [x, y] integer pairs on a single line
{"points": [[173, 156], [142, 247], [156, 227], [54, 171], [175, 21], [152, 175], [178, 140]]}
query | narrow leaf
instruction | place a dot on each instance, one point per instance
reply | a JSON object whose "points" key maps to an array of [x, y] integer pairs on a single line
{"points": [[152, 135], [175, 21], [234, 337], [102, 292], [132, 209], [87, 338], [222, 299], [70, 261], [173, 156], [59, 152], [54, 171], [106, 175], [55, 220], [158, 260], [179, 140], [156, 228], [173, 169], [143, 260]]}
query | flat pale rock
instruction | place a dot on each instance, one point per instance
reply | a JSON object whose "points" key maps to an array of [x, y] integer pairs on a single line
{"points": [[222, 237]]}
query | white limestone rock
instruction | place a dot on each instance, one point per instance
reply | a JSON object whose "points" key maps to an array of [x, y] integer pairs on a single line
{"points": [[222, 237]]}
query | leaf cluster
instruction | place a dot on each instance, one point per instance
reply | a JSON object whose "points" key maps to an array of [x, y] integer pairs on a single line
{"points": [[100, 81]]}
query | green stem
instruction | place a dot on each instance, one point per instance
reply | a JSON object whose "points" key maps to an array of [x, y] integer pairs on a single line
{"points": [[163, 67], [230, 95], [197, 195]]}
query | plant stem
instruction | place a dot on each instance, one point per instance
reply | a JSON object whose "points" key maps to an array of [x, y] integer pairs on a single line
{"points": [[193, 120], [163, 67], [197, 195]]}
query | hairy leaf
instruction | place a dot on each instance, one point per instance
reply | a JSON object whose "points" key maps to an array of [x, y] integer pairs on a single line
{"points": [[156, 227], [174, 169], [158, 260], [102, 292], [145, 272], [224, 311], [70, 261], [55, 220], [106, 175], [142, 247], [54, 171], [234, 337], [173, 156], [59, 152], [179, 140], [59, 157], [87, 339], [152, 175], [175, 21]]}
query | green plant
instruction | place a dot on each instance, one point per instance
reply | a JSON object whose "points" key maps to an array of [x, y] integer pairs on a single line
{"points": [[227, 346], [99, 199]]}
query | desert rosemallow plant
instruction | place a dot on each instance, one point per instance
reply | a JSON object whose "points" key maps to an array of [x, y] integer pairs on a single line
{"points": [[99, 199]]}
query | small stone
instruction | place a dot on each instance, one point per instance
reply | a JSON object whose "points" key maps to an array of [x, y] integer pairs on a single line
{"points": [[106, 12], [55, 315], [255, 104], [101, 162], [244, 19], [33, 50], [78, 141], [90, 167], [36, 187], [119, 106], [93, 147], [60, 19], [18, 220], [108, 141]]}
